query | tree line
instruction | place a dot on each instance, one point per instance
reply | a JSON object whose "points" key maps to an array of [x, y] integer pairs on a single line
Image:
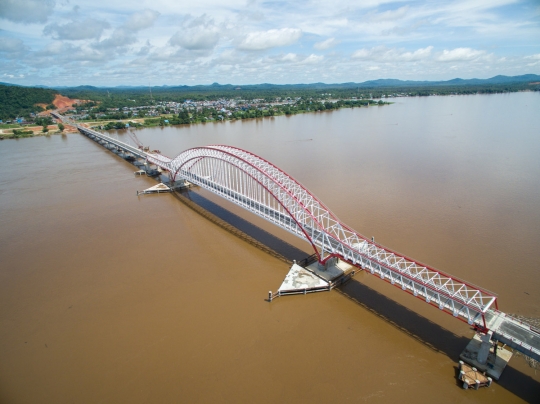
{"points": [[135, 97], [16, 101]]}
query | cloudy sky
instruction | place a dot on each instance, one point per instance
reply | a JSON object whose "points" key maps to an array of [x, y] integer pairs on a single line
{"points": [[157, 42]]}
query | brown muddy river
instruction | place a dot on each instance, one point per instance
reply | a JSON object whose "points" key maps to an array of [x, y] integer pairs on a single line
{"points": [[107, 297]]}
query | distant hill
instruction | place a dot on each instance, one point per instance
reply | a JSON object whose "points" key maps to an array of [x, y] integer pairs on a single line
{"points": [[366, 84], [21, 101], [18, 100], [394, 83], [9, 84], [462, 82]]}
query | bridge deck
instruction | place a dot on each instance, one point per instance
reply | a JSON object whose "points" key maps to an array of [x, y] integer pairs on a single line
{"points": [[514, 333]]}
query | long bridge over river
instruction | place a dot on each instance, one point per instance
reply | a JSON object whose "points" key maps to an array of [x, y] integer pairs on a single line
{"points": [[265, 190]]}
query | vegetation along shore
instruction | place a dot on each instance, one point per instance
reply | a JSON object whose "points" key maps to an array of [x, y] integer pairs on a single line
{"points": [[25, 111]]}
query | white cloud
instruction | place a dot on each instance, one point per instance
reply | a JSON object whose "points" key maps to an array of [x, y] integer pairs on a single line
{"points": [[198, 38], [289, 57], [420, 40], [312, 59], [384, 54], [141, 20], [534, 57], [87, 55], [418, 54], [88, 28], [11, 45], [26, 11], [68, 53], [292, 59], [390, 15], [197, 34], [327, 44], [54, 48], [120, 38], [460, 54], [261, 40]]}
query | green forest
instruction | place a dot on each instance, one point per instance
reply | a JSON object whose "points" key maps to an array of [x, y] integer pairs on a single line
{"points": [[138, 96], [18, 101]]}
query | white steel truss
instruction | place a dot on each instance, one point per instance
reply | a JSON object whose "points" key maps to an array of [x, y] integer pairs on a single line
{"points": [[264, 189]]}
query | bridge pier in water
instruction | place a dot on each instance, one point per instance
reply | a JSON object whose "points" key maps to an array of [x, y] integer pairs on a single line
{"points": [[315, 277], [486, 355]]}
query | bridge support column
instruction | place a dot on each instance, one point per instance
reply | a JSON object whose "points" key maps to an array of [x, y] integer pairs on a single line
{"points": [[485, 346], [329, 263]]}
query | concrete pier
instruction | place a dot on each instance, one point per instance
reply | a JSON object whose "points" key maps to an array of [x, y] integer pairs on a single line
{"points": [[486, 356], [332, 270], [156, 189], [300, 280], [314, 278]]}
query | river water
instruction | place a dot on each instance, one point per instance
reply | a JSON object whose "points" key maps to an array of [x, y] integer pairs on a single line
{"points": [[109, 297]]}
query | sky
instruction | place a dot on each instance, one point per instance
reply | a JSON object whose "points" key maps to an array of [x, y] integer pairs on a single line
{"points": [[178, 42]]}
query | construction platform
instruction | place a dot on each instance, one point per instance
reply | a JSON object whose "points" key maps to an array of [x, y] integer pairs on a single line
{"points": [[472, 378]]}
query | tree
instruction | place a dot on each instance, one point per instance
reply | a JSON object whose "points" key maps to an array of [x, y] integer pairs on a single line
{"points": [[183, 117], [45, 129], [44, 121], [61, 127]]}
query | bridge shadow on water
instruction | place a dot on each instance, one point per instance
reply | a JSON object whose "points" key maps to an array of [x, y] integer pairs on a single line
{"points": [[408, 321], [433, 336], [284, 249]]}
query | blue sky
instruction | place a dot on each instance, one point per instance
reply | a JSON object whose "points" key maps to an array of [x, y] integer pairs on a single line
{"points": [[166, 42]]}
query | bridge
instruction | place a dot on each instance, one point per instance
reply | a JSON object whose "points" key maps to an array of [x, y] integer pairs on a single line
{"points": [[260, 187]]}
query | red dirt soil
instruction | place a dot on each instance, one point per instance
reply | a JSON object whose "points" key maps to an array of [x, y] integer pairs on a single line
{"points": [[62, 103]]}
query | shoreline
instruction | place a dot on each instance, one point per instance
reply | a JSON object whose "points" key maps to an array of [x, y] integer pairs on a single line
{"points": [[53, 129]]}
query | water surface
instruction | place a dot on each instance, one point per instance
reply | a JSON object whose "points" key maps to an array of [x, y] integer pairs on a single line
{"points": [[106, 297]]}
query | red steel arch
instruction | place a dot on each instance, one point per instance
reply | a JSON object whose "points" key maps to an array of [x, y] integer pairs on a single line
{"points": [[302, 206], [187, 161], [249, 180]]}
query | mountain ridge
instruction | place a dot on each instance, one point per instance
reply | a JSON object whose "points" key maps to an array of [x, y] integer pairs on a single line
{"points": [[378, 83]]}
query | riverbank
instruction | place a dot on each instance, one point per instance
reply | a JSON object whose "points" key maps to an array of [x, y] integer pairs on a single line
{"points": [[194, 116], [191, 117], [34, 131]]}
